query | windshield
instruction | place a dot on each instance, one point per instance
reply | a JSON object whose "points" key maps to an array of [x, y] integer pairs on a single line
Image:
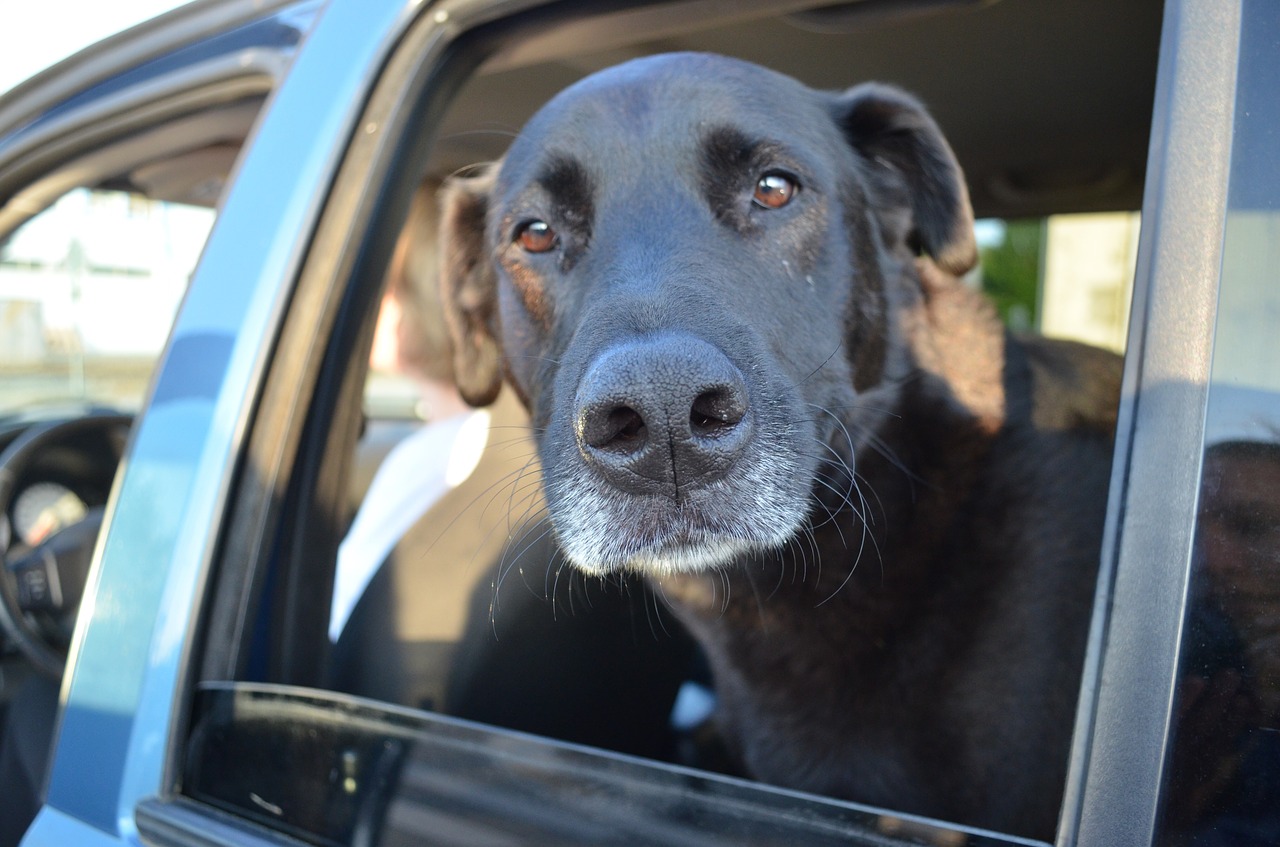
{"points": [[88, 292]]}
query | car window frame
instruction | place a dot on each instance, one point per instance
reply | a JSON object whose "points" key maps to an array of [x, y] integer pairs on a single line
{"points": [[1122, 730], [81, 121]]}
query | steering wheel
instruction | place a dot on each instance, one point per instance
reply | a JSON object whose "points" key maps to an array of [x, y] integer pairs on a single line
{"points": [[40, 589]]}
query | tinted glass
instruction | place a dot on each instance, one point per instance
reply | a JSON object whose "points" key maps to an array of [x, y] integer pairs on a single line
{"points": [[1223, 772], [334, 770]]}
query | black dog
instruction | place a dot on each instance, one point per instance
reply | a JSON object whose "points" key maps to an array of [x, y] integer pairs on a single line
{"points": [[730, 305]]}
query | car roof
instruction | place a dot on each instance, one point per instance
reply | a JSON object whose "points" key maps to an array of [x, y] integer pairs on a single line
{"points": [[1047, 102]]}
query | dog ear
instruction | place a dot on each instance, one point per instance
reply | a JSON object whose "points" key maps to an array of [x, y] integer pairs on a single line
{"points": [[895, 134], [468, 286]]}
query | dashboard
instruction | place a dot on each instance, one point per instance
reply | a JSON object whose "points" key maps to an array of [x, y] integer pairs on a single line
{"points": [[42, 508]]}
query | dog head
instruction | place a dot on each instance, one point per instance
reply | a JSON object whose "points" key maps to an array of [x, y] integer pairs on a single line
{"points": [[688, 267]]}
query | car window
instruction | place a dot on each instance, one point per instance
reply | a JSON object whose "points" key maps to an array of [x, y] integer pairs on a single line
{"points": [[423, 631], [89, 289], [1222, 780]]}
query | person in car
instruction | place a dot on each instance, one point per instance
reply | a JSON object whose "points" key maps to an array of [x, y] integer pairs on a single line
{"points": [[422, 536]]}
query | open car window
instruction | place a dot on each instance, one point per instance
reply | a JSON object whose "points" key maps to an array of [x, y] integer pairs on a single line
{"points": [[400, 651], [452, 603]]}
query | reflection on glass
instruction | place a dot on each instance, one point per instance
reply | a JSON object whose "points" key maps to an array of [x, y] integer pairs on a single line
{"points": [[1223, 767], [1225, 763]]}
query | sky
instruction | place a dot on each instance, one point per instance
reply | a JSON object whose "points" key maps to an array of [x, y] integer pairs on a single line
{"points": [[37, 33]]}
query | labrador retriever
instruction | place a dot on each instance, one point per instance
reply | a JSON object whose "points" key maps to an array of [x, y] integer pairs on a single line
{"points": [[732, 306]]}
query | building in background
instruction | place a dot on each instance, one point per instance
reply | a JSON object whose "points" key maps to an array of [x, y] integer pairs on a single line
{"points": [[88, 289], [1087, 279]]}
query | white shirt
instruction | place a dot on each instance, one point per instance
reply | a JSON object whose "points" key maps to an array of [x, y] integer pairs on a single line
{"points": [[415, 474]]}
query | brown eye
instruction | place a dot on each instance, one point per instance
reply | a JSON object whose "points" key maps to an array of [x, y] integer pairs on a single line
{"points": [[773, 191], [536, 237]]}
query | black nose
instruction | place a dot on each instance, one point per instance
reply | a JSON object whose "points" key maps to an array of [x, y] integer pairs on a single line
{"points": [[661, 414]]}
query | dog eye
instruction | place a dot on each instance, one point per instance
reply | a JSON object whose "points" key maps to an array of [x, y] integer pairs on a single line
{"points": [[774, 190], [536, 237]]}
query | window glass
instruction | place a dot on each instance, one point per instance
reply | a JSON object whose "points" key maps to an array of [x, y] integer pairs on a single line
{"points": [[338, 772], [1223, 768], [88, 292]]}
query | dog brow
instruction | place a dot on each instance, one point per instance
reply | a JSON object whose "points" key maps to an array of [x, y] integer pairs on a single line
{"points": [[572, 192], [730, 159]]}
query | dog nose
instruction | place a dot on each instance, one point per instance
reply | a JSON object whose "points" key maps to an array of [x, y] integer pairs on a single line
{"points": [[658, 415]]}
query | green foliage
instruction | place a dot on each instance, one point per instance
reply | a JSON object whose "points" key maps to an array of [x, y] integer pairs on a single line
{"points": [[1011, 273]]}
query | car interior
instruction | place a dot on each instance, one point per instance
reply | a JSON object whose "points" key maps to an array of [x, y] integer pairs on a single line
{"points": [[469, 612]]}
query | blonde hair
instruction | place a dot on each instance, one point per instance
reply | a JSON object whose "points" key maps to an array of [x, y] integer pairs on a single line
{"points": [[422, 337]]}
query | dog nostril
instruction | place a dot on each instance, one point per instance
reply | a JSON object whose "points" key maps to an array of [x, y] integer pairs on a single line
{"points": [[621, 430], [716, 412], [627, 425]]}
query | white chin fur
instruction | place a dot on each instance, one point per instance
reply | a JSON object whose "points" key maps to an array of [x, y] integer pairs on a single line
{"points": [[760, 505], [691, 559]]}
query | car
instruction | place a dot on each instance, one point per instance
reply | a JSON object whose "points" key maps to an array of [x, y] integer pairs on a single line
{"points": [[203, 221]]}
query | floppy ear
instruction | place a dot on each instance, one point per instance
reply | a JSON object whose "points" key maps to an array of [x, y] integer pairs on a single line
{"points": [[910, 158], [468, 287]]}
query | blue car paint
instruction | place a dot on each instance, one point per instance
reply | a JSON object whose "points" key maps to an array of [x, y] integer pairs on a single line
{"points": [[273, 33]]}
